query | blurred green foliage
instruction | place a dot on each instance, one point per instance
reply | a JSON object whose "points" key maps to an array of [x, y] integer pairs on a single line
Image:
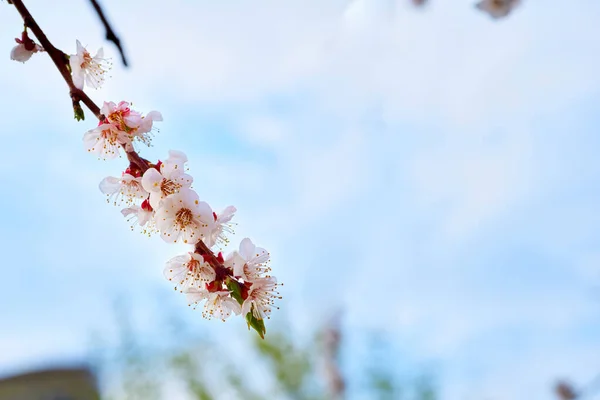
{"points": [[278, 367]]}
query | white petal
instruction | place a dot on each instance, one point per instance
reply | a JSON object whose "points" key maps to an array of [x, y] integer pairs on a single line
{"points": [[110, 185], [246, 306], [205, 214], [247, 249], [260, 255], [154, 116], [189, 197], [151, 180], [80, 48], [195, 295], [90, 140], [169, 234], [155, 200], [94, 81], [108, 108], [144, 216], [184, 180], [174, 266], [146, 124], [226, 215], [177, 156], [169, 169], [99, 54], [191, 234], [233, 305], [237, 263], [129, 210], [20, 53], [77, 73], [134, 120]]}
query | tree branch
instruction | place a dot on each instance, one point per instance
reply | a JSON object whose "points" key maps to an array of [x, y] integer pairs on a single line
{"points": [[110, 34], [60, 59]]}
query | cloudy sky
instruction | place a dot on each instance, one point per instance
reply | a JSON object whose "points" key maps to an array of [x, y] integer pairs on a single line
{"points": [[430, 172]]}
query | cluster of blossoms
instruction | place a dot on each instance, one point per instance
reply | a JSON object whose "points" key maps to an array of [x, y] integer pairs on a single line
{"points": [[158, 197], [160, 201]]}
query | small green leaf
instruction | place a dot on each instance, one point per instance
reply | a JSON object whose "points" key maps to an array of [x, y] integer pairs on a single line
{"points": [[235, 289], [257, 324], [79, 115]]}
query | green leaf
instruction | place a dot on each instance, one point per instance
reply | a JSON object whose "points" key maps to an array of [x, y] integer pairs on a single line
{"points": [[235, 289], [79, 115], [257, 324]]}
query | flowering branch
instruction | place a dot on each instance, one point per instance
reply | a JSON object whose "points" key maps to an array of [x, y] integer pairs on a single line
{"points": [[159, 196], [60, 59], [110, 34]]}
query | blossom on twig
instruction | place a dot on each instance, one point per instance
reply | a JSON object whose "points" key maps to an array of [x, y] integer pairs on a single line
{"points": [[24, 49], [87, 69]]}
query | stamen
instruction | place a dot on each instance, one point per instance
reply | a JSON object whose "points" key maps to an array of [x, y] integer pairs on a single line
{"points": [[183, 218]]}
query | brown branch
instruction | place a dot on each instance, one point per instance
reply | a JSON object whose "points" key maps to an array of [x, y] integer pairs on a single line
{"points": [[110, 34], [59, 58], [221, 271]]}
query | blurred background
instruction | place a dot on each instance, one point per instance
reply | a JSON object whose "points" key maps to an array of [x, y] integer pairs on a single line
{"points": [[425, 179]]}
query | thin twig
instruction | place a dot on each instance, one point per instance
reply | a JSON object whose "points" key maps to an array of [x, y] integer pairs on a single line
{"points": [[110, 34]]}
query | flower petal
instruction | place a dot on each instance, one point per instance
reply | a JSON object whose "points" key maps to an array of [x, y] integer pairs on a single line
{"points": [[151, 180], [110, 185], [247, 249]]}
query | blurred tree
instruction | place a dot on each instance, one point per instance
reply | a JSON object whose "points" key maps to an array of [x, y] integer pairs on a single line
{"points": [[278, 368]]}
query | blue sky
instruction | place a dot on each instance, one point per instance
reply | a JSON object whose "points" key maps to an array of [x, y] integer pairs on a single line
{"points": [[431, 172]]}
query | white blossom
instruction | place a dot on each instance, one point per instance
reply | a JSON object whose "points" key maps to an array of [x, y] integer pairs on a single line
{"points": [[88, 69], [177, 160], [261, 296], [497, 8], [250, 263], [21, 52], [189, 271], [126, 189], [132, 122], [218, 304], [222, 227], [105, 140], [168, 181], [183, 217], [141, 215], [25, 48]]}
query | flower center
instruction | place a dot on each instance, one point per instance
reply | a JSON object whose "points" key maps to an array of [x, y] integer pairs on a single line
{"points": [[87, 60], [183, 217], [168, 187], [118, 118], [109, 136], [192, 265]]}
